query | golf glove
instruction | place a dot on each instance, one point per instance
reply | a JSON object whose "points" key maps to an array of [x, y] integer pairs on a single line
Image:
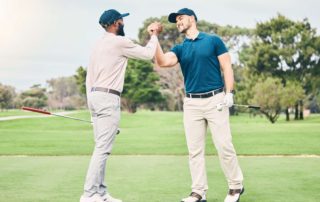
{"points": [[228, 99]]}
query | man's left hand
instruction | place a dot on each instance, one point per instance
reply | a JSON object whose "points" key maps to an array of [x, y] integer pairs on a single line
{"points": [[228, 99]]}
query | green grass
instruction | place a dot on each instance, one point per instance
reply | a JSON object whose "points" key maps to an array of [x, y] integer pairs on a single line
{"points": [[160, 133], [149, 161], [156, 178], [15, 112], [20, 112]]}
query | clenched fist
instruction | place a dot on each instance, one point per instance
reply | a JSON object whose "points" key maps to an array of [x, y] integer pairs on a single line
{"points": [[155, 28]]}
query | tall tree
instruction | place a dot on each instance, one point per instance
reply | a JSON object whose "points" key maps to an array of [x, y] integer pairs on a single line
{"points": [[267, 95], [80, 77], [7, 95], [272, 96], [140, 86], [291, 93], [34, 97], [286, 49]]}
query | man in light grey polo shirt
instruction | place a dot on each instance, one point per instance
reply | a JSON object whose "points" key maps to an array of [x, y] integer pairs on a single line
{"points": [[104, 84]]}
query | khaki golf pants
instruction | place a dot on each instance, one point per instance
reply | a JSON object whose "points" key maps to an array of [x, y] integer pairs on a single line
{"points": [[105, 112], [198, 114]]}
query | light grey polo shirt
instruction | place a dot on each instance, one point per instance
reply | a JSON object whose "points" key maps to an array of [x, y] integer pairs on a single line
{"points": [[109, 60]]}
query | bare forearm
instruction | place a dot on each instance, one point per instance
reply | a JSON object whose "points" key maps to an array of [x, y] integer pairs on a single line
{"points": [[225, 63], [228, 78], [160, 57], [168, 59]]}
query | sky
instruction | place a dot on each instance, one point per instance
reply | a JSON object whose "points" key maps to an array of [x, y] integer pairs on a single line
{"points": [[44, 39]]}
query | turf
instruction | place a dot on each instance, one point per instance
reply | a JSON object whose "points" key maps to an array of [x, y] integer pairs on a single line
{"points": [[14, 112], [156, 178], [157, 168], [160, 133]]}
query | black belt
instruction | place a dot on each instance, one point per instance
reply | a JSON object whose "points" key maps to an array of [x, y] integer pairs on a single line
{"points": [[106, 90], [204, 95]]}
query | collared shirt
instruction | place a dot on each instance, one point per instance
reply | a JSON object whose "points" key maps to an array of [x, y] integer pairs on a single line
{"points": [[199, 62], [109, 60]]}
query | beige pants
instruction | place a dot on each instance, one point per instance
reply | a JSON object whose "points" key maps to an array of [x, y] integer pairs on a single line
{"points": [[198, 114], [105, 112]]}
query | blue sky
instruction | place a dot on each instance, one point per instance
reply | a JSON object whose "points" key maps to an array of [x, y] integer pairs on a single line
{"points": [[44, 39]]}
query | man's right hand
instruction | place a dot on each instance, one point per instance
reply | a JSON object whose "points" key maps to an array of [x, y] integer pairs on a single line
{"points": [[155, 28], [228, 99]]}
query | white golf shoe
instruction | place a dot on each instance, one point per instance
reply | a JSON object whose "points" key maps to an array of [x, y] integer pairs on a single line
{"points": [[234, 195], [194, 197], [94, 198], [109, 198], [98, 198], [204, 199]]}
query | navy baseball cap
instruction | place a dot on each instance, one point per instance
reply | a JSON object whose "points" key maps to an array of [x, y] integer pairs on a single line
{"points": [[110, 16], [184, 11]]}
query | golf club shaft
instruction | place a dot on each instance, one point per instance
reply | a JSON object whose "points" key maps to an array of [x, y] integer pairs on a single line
{"points": [[69, 117], [218, 106], [63, 116], [247, 106], [49, 113]]}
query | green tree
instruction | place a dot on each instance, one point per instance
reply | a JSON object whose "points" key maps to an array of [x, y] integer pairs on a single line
{"points": [[291, 93], [34, 97], [267, 95], [81, 79], [244, 85], [171, 80], [171, 36], [271, 95], [140, 86], [7, 95], [285, 49]]}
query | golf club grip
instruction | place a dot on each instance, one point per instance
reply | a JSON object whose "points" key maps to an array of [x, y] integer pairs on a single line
{"points": [[36, 110], [253, 107]]}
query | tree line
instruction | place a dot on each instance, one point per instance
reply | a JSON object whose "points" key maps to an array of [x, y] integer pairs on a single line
{"points": [[60, 93], [276, 66]]}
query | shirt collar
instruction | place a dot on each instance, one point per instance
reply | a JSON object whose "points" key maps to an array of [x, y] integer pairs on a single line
{"points": [[200, 36]]}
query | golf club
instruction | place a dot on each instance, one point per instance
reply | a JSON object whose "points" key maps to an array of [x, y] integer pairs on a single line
{"points": [[247, 106], [221, 105], [54, 114]]}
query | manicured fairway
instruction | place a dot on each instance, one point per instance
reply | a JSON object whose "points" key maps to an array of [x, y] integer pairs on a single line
{"points": [[155, 133], [156, 178], [46, 159]]}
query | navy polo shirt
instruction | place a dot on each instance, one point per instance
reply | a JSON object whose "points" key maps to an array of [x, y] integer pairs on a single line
{"points": [[199, 62]]}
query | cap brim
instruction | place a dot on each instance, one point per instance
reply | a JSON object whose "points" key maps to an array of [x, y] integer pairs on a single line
{"points": [[172, 17], [125, 14]]}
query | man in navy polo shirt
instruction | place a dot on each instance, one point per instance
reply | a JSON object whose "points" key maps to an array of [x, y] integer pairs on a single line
{"points": [[202, 57]]}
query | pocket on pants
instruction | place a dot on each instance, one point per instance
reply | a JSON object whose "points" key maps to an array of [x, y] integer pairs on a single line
{"points": [[104, 104]]}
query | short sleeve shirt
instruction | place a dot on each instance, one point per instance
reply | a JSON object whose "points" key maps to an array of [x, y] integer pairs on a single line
{"points": [[199, 62]]}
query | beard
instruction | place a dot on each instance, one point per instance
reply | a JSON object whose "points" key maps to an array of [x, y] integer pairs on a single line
{"points": [[184, 30], [185, 27], [120, 30]]}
